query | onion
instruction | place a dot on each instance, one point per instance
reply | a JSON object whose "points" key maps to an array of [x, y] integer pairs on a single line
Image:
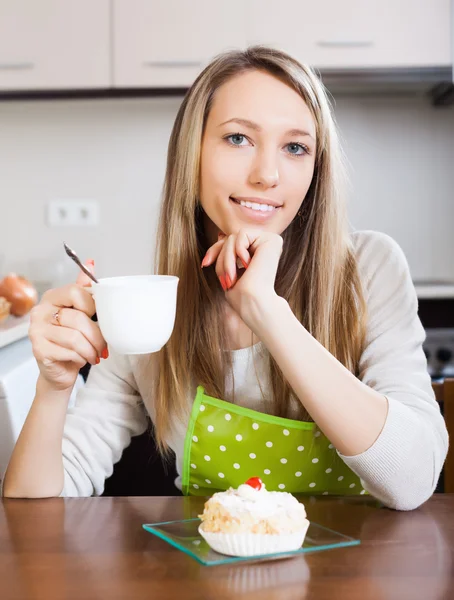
{"points": [[20, 292]]}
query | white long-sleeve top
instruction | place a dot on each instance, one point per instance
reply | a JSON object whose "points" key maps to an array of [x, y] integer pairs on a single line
{"points": [[401, 468]]}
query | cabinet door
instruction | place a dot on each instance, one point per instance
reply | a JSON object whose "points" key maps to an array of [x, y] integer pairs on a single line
{"points": [[166, 43], [355, 33], [54, 44]]}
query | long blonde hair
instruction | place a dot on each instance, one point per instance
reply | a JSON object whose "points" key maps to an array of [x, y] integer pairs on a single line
{"points": [[317, 272]]}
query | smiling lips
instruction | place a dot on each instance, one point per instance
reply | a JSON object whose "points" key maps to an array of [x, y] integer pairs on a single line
{"points": [[263, 205]]}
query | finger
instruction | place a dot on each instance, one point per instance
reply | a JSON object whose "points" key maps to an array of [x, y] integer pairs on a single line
{"points": [[71, 296], [75, 319], [229, 261], [82, 279], [48, 352], [74, 340], [220, 269], [265, 250], [242, 248], [212, 253]]}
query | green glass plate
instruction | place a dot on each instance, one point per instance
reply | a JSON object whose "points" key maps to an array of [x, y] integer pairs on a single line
{"points": [[184, 536]]}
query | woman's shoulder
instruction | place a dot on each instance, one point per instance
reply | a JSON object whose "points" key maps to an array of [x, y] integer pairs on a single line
{"points": [[378, 255]]}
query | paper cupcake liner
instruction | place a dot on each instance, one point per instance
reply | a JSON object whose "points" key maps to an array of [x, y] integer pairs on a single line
{"points": [[254, 544]]}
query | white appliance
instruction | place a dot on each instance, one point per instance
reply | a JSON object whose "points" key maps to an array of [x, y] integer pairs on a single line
{"points": [[18, 375]]}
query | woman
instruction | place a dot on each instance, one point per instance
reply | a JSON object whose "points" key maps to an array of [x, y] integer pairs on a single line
{"points": [[300, 342]]}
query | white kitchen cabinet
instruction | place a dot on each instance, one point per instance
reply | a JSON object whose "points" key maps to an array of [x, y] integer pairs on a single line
{"points": [[54, 44], [355, 33], [166, 43]]}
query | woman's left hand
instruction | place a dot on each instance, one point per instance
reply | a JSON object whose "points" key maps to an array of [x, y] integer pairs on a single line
{"points": [[259, 253]]}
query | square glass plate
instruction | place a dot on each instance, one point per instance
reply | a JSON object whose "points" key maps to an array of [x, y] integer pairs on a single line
{"points": [[184, 536]]}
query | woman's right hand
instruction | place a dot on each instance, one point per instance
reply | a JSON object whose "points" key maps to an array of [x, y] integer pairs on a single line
{"points": [[63, 336]]}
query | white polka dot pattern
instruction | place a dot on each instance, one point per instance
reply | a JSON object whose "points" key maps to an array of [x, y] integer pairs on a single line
{"points": [[296, 459]]}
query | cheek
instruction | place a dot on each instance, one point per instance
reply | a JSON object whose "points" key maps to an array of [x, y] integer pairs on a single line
{"points": [[298, 182], [219, 176]]}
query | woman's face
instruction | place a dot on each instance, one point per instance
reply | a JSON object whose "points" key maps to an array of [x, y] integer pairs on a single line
{"points": [[258, 153]]}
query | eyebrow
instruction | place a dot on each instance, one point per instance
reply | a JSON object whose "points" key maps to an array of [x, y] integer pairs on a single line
{"points": [[257, 127]]}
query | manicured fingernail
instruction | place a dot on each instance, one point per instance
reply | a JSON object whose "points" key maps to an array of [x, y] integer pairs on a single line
{"points": [[245, 265], [228, 281], [91, 262], [223, 283], [98, 360], [204, 262], [105, 353]]}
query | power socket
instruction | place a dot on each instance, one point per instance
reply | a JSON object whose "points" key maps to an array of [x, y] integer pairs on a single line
{"points": [[73, 213]]}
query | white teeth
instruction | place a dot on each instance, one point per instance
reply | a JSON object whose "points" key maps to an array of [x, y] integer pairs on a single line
{"points": [[256, 206]]}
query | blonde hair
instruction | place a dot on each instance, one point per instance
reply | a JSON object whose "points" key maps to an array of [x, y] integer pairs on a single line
{"points": [[317, 273]]}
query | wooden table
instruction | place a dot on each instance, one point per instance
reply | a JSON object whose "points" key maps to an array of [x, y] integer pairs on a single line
{"points": [[96, 548]]}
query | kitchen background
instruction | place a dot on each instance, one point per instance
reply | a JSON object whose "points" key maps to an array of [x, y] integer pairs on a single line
{"points": [[88, 94]]}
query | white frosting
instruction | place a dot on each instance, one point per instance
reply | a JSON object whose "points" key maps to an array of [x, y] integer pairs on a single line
{"points": [[261, 504]]}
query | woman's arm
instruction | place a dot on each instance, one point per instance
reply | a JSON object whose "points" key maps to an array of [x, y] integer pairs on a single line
{"points": [[36, 467], [386, 424], [76, 449]]}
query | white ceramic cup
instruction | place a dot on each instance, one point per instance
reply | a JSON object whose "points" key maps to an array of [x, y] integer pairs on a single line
{"points": [[136, 314]]}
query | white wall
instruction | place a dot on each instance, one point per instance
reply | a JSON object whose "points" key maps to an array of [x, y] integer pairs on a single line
{"points": [[401, 153]]}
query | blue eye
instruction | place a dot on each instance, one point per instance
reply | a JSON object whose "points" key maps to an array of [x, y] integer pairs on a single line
{"points": [[236, 139], [296, 149]]}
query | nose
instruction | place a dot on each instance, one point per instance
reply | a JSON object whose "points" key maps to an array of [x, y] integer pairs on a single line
{"points": [[265, 171]]}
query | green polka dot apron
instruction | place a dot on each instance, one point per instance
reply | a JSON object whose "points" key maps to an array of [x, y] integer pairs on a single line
{"points": [[227, 444]]}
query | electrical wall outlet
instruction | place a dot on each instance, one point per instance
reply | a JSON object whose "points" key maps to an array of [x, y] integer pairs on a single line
{"points": [[73, 213]]}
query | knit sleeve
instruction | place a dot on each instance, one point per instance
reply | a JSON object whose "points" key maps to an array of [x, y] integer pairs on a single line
{"points": [[403, 465], [107, 412]]}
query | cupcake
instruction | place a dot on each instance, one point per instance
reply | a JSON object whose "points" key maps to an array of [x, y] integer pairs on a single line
{"points": [[250, 521]]}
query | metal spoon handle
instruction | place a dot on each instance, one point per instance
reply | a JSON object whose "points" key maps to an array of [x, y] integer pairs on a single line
{"points": [[75, 258]]}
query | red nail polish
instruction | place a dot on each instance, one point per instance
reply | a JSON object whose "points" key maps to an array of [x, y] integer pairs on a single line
{"points": [[98, 360], [223, 283], [245, 265], [228, 281], [105, 353], [91, 262]]}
